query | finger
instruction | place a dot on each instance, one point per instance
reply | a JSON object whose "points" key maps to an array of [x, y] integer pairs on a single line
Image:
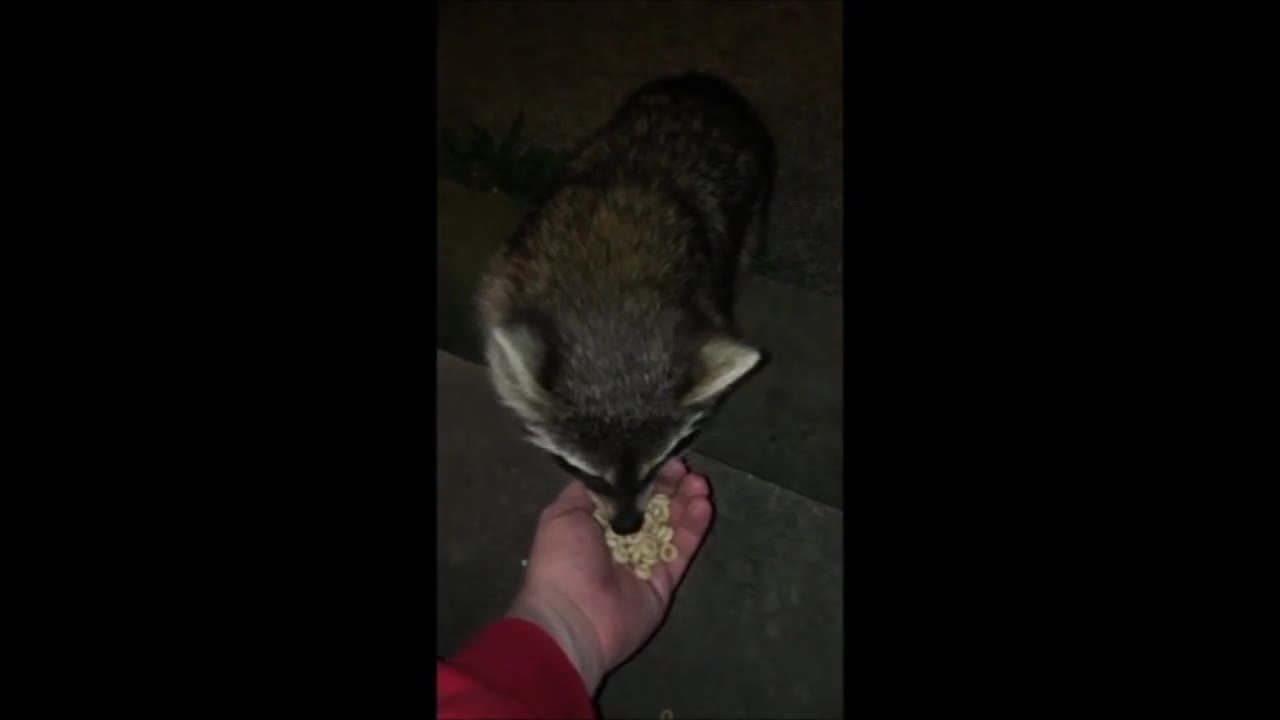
{"points": [[575, 493], [668, 478], [674, 468], [692, 529], [694, 485], [574, 498], [691, 486]]}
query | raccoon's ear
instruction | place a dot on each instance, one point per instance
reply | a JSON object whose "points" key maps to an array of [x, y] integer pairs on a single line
{"points": [[720, 363], [516, 357]]}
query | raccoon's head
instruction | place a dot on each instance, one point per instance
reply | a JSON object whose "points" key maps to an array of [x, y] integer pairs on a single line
{"points": [[611, 415]]}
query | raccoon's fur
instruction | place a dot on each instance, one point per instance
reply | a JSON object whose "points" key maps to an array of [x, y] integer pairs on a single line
{"points": [[608, 317]]}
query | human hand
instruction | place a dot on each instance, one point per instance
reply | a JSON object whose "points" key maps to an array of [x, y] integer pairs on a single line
{"points": [[597, 610]]}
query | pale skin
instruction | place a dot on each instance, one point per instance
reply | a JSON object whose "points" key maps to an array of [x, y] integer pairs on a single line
{"points": [[596, 610]]}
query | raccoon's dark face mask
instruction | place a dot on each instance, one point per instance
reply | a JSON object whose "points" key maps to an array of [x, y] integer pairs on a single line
{"points": [[615, 458], [621, 466]]}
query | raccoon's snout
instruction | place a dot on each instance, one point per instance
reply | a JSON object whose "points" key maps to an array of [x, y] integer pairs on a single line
{"points": [[627, 522]]}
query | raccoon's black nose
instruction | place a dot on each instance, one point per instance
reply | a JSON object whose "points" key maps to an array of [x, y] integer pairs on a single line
{"points": [[627, 522]]}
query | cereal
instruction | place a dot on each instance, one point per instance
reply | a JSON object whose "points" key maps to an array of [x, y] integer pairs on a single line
{"points": [[643, 550], [648, 549], [668, 552]]}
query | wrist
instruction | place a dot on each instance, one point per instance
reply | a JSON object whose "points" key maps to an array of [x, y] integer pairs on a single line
{"points": [[561, 619]]}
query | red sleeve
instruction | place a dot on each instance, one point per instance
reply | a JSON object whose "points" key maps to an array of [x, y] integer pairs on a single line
{"points": [[512, 669]]}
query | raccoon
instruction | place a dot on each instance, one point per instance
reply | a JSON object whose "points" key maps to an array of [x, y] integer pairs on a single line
{"points": [[608, 317]]}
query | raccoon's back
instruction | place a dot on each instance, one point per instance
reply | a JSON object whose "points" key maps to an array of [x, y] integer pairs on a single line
{"points": [[614, 260], [642, 237], [691, 131], [611, 285], [657, 201]]}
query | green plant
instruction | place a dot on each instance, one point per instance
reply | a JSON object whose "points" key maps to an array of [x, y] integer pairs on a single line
{"points": [[511, 164]]}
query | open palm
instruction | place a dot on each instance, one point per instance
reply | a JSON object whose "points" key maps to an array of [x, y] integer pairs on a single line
{"points": [[571, 560]]}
